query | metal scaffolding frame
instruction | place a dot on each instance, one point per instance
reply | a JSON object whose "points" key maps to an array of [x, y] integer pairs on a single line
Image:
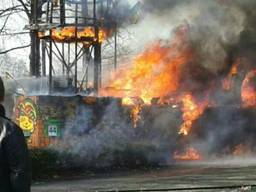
{"points": [[44, 49]]}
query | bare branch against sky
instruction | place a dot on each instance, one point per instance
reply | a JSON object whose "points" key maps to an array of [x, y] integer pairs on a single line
{"points": [[14, 48], [25, 6], [10, 11]]}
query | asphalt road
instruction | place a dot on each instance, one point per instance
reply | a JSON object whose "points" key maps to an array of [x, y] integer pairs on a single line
{"points": [[221, 175]]}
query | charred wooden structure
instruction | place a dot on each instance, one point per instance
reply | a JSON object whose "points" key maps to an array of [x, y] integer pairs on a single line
{"points": [[69, 33]]}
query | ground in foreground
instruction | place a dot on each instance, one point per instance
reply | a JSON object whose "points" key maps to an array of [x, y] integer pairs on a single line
{"points": [[204, 176]]}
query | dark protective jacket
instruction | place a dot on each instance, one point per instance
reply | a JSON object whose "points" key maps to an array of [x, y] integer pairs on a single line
{"points": [[14, 158]]}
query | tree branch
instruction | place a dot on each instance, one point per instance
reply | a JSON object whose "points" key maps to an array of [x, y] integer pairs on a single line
{"points": [[25, 7], [10, 9], [14, 48], [5, 22]]}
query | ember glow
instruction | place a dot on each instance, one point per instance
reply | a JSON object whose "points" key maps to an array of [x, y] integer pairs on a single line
{"points": [[227, 83], [241, 150], [248, 90], [190, 154]]}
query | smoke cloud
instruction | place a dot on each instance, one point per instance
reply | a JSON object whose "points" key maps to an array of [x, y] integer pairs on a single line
{"points": [[219, 33], [214, 27], [109, 139]]}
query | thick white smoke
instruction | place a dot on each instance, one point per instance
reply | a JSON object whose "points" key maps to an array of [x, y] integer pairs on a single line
{"points": [[213, 27]]}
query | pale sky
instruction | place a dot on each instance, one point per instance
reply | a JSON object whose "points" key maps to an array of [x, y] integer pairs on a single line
{"points": [[133, 2]]}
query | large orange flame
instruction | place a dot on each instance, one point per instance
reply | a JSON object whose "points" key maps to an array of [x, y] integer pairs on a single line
{"points": [[248, 90], [155, 73]]}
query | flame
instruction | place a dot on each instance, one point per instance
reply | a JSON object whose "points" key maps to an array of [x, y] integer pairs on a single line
{"points": [[248, 90], [191, 112], [135, 114], [70, 34], [136, 105], [128, 101], [227, 83], [155, 73], [241, 150], [190, 154]]}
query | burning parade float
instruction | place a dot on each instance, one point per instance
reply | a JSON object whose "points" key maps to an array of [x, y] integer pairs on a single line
{"points": [[190, 96]]}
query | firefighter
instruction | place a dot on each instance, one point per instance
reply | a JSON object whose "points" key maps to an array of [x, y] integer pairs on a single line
{"points": [[14, 159]]}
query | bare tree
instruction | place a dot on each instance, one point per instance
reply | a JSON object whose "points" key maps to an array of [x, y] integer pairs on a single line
{"points": [[12, 35], [20, 6], [23, 7]]}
